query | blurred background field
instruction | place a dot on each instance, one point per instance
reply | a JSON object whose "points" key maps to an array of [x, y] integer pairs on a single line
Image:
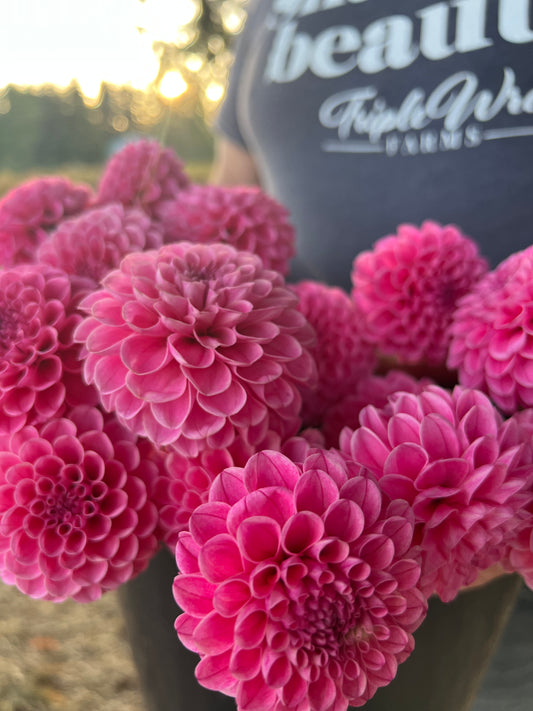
{"points": [[66, 657]]}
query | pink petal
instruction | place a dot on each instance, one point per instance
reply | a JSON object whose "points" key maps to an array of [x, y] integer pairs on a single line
{"points": [[259, 538], [194, 594], [220, 558], [214, 634], [301, 531], [344, 520], [213, 673], [143, 355]]}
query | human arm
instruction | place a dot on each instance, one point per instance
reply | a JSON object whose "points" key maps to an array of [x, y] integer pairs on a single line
{"points": [[232, 165]]}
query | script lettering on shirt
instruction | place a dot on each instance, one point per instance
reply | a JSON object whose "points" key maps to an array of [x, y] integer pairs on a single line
{"points": [[450, 106], [392, 42]]}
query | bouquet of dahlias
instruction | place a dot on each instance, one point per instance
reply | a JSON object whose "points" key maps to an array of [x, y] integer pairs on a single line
{"points": [[161, 383]]}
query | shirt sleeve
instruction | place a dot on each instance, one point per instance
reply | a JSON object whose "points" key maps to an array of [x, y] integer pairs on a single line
{"points": [[227, 120]]}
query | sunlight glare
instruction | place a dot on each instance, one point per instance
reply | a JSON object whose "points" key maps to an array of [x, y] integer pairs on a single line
{"points": [[172, 85], [162, 19], [214, 92]]}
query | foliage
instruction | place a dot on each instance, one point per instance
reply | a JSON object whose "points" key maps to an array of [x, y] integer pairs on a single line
{"points": [[201, 52], [49, 128]]}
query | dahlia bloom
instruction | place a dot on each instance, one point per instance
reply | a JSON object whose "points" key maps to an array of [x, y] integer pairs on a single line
{"points": [[518, 554], [244, 217], [89, 246], [448, 456], [406, 289], [36, 344], [492, 334], [297, 585], [76, 516], [343, 359], [142, 174], [184, 484], [373, 390], [30, 211], [196, 345]]}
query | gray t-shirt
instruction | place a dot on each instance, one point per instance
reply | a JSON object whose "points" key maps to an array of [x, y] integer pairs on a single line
{"points": [[363, 114]]}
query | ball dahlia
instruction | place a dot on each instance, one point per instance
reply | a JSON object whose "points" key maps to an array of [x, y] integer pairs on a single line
{"points": [[244, 217], [492, 334], [448, 456], [89, 246], [184, 484], [407, 287], [36, 343], [30, 211], [196, 345], [142, 174], [343, 358], [373, 390], [518, 553], [297, 585], [76, 515]]}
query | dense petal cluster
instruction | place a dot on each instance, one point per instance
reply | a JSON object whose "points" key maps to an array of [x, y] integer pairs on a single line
{"points": [[89, 246], [407, 287], [196, 345], [36, 343], [373, 390], [492, 334], [448, 456], [30, 211], [184, 484], [244, 217], [518, 555], [142, 174], [297, 585], [76, 516], [343, 358]]}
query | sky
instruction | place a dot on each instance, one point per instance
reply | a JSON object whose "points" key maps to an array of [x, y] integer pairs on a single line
{"points": [[56, 41]]}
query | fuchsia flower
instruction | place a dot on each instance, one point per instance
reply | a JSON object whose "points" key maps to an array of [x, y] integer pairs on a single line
{"points": [[76, 516], [30, 211], [244, 217], [297, 584], [448, 456], [89, 246], [142, 174], [36, 344], [343, 359], [373, 390], [492, 334], [184, 484], [196, 345], [407, 288], [518, 555]]}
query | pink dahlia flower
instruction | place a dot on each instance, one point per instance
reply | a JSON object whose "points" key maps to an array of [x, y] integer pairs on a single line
{"points": [[76, 515], [492, 334], [343, 359], [374, 390], [184, 484], [244, 217], [518, 555], [89, 246], [142, 174], [447, 455], [196, 345], [29, 212], [36, 344], [297, 585], [407, 288]]}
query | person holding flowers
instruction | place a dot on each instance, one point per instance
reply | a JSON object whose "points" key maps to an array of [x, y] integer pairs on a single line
{"points": [[339, 462]]}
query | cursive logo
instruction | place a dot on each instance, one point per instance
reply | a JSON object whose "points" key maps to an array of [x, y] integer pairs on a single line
{"points": [[450, 106]]}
